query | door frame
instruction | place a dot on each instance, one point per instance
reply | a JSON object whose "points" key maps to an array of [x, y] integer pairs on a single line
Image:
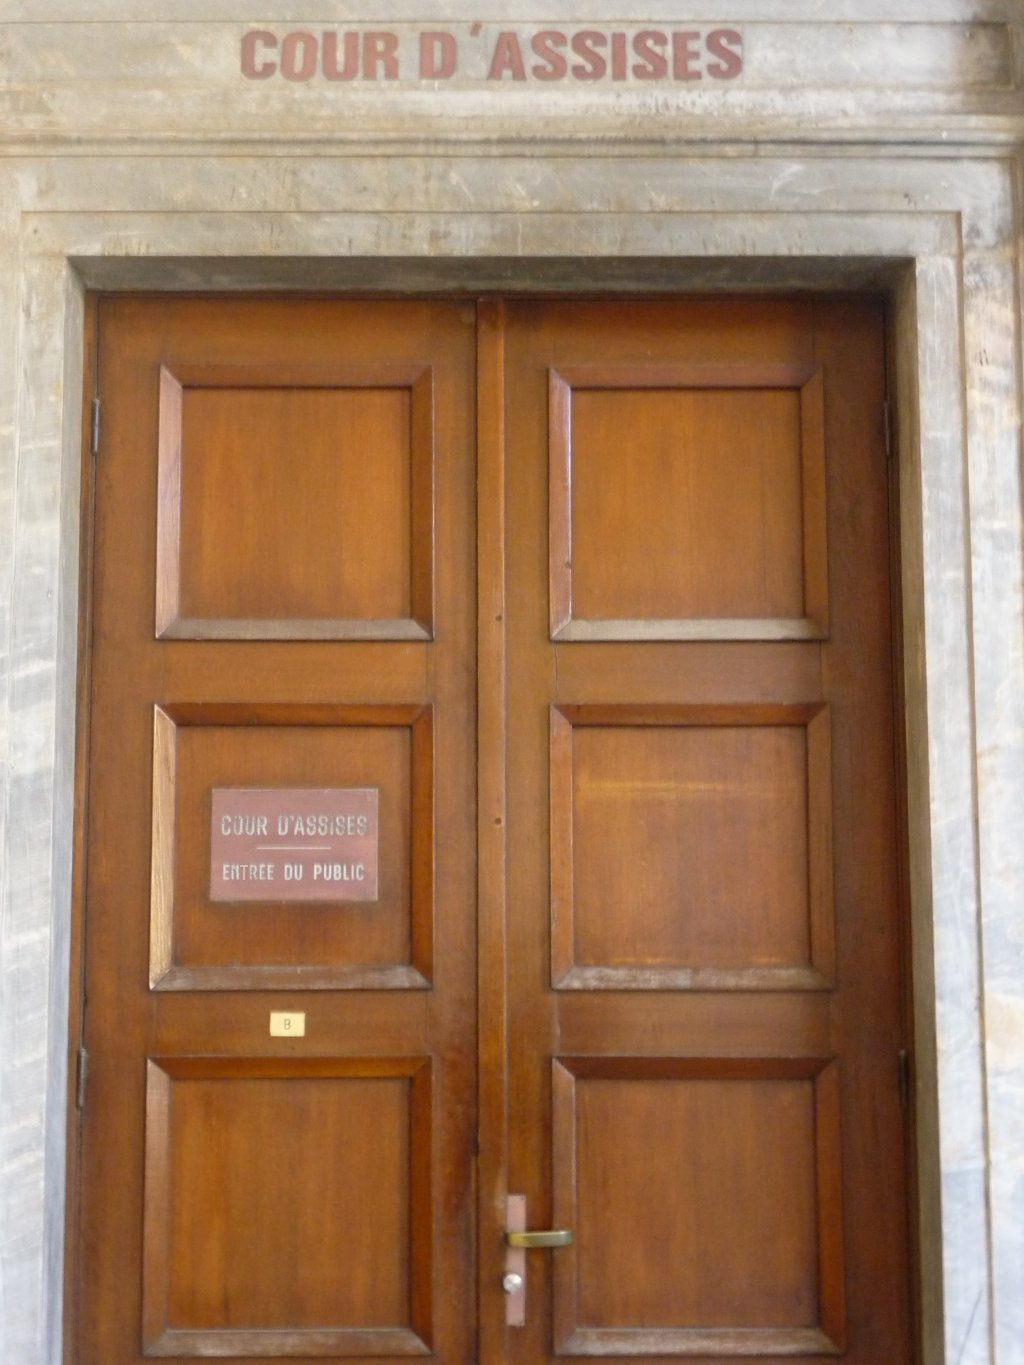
{"points": [[913, 317], [491, 814]]}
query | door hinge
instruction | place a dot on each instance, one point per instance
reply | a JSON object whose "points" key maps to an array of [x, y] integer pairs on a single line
{"points": [[890, 430], [94, 430], [81, 1078], [903, 1063]]}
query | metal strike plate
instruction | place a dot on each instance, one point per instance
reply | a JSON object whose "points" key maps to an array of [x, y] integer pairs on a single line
{"points": [[514, 1283], [518, 1241], [284, 1025]]}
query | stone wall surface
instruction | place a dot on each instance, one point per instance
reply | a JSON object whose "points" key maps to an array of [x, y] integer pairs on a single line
{"points": [[874, 143], [171, 73]]}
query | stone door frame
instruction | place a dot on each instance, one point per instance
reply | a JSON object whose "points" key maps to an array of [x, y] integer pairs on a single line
{"points": [[939, 235]]}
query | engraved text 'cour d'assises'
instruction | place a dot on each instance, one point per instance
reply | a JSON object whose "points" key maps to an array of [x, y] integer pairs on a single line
{"points": [[293, 844], [486, 54]]}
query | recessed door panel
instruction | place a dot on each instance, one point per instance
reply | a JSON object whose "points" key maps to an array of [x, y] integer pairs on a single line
{"points": [[658, 815], [273, 898], [280, 1209], [255, 460], [670, 1152], [687, 501]]}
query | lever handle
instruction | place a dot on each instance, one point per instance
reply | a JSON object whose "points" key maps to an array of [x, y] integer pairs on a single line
{"points": [[518, 1241], [549, 1237]]}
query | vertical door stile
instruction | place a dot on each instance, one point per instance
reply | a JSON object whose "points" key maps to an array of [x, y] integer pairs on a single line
{"points": [[491, 815], [76, 998]]}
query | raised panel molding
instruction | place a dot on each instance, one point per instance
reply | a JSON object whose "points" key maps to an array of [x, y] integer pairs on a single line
{"points": [[798, 953], [791, 1103], [202, 1295], [407, 849], [401, 541], [674, 554]]}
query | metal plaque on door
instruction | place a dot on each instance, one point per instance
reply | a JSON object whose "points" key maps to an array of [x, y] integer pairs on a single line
{"points": [[293, 844]]}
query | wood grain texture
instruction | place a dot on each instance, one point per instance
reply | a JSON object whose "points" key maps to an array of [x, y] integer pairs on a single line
{"points": [[76, 993], [658, 816], [199, 944], [307, 1154], [707, 1096], [737, 1142], [687, 502], [638, 1073], [492, 820], [254, 460], [324, 1150]]}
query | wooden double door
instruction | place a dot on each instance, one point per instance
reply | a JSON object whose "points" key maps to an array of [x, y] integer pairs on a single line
{"points": [[489, 790]]}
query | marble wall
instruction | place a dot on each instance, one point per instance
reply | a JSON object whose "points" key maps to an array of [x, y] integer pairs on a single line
{"points": [[866, 144]]}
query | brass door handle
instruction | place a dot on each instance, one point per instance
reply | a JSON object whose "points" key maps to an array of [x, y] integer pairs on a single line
{"points": [[550, 1237], [518, 1241]]}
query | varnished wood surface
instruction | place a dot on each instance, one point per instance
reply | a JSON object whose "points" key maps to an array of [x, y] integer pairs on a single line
{"points": [[641, 801], [492, 817], [195, 945], [640, 855], [76, 994], [232, 508], [270, 1154], [299, 1197], [691, 469], [671, 1043]]}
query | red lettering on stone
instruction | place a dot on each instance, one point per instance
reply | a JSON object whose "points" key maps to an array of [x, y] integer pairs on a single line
{"points": [[619, 57], [546, 45], [349, 68], [298, 56], [686, 56], [727, 45], [653, 65], [438, 56], [507, 58], [586, 55], [380, 49], [253, 68], [593, 65]]}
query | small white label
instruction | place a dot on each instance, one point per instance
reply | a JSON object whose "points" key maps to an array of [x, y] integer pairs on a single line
{"points": [[287, 1025]]}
